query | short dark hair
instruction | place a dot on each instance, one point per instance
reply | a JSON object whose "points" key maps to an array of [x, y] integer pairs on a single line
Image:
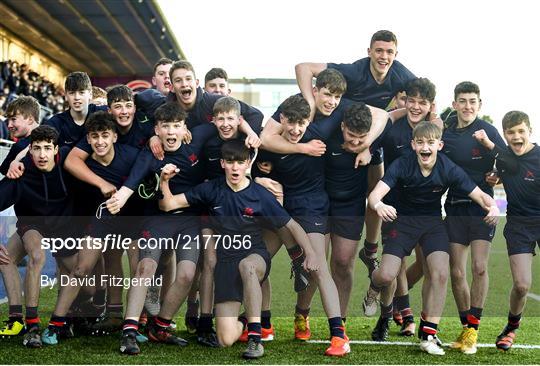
{"points": [[100, 121], [44, 133], [181, 64], [119, 93], [466, 87], [77, 81], [226, 104], [428, 130], [421, 87], [514, 118], [169, 112], [214, 73], [333, 80], [26, 105], [383, 35], [295, 108], [161, 61], [235, 150], [357, 118]]}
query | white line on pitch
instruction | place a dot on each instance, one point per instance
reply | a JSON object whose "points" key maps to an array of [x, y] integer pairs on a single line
{"points": [[483, 345], [534, 296]]}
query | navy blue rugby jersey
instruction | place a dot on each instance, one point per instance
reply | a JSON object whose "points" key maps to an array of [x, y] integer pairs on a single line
{"points": [[238, 214], [464, 150], [417, 195], [362, 87], [69, 132]]}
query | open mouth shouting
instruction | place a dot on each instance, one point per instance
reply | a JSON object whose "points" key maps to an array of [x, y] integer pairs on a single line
{"points": [[425, 156]]}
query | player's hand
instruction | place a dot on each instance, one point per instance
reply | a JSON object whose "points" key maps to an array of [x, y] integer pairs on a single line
{"points": [[265, 167], [311, 262], [107, 189], [492, 178], [433, 113], [271, 185], [187, 137], [168, 171], [482, 137], [313, 148], [492, 218], [253, 141], [156, 147], [386, 212], [4, 255], [16, 170], [116, 202], [363, 158]]}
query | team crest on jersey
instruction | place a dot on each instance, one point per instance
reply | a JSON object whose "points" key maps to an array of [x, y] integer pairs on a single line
{"points": [[209, 118], [248, 211], [393, 233], [194, 159], [476, 154], [529, 176], [146, 234]]}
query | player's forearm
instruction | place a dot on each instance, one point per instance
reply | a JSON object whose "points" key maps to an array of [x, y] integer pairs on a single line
{"points": [[379, 118], [76, 166], [482, 198], [22, 154], [299, 236], [246, 128], [304, 79], [167, 202], [397, 114]]}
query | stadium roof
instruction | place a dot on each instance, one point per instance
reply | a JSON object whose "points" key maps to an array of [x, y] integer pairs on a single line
{"points": [[101, 37]]}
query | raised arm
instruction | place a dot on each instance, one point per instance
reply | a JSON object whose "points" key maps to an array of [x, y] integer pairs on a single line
{"points": [[75, 164], [169, 201], [305, 72]]}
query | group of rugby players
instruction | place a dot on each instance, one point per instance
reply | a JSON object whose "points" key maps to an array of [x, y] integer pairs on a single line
{"points": [[175, 162]]}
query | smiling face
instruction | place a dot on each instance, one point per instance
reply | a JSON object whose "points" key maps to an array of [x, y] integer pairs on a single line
{"points": [[43, 153], [20, 126], [467, 106], [101, 142], [382, 55], [217, 86], [326, 101], [518, 138], [417, 109], [185, 87], [123, 113], [293, 130], [426, 150], [352, 138], [170, 134], [227, 124]]}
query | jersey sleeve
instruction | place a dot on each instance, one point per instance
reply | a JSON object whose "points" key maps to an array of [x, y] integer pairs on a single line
{"points": [[201, 195], [84, 145], [139, 170], [394, 172], [202, 133], [272, 211], [460, 181], [252, 116], [9, 192], [12, 154], [349, 71]]}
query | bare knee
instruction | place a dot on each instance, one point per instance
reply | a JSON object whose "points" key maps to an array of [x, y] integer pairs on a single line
{"points": [[439, 276], [185, 275], [146, 268], [342, 265], [225, 338], [457, 274], [521, 288], [247, 268], [479, 268], [36, 259]]}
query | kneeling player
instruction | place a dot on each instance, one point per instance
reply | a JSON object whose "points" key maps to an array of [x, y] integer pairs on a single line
{"points": [[238, 203], [422, 178], [518, 167]]}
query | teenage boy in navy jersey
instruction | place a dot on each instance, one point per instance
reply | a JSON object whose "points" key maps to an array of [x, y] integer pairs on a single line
{"points": [[112, 162], [302, 177], [216, 81], [519, 169], [42, 204], [198, 104], [170, 128], [22, 117], [421, 177], [464, 217], [396, 142], [240, 204]]}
